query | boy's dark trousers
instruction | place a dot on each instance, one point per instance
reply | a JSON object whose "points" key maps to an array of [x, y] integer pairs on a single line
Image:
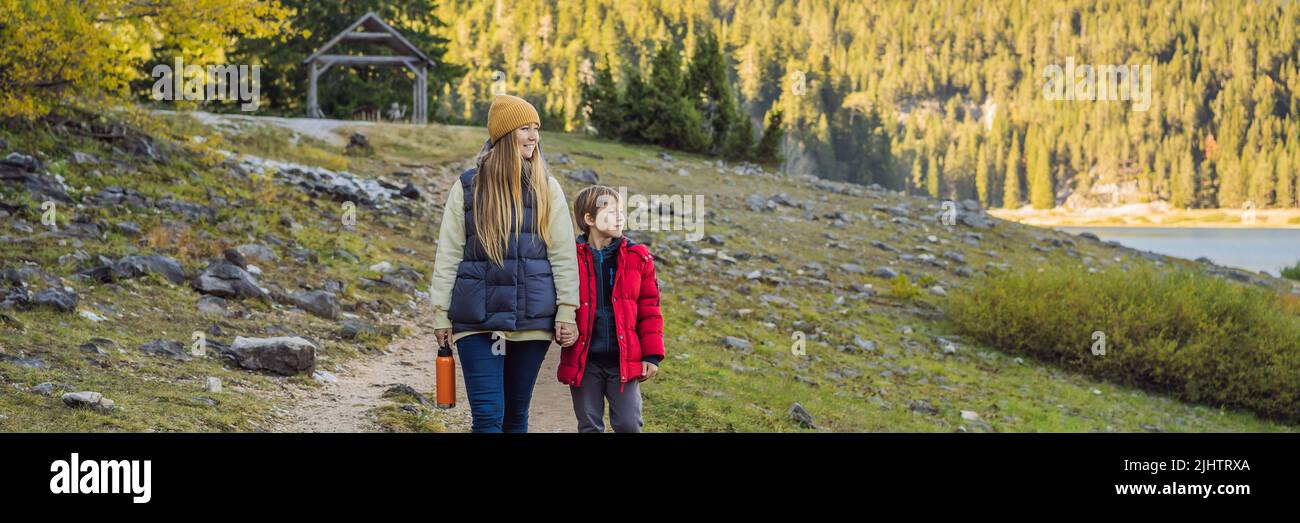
{"points": [[600, 382]]}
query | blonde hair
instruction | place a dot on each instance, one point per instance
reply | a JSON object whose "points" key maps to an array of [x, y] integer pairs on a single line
{"points": [[498, 195]]}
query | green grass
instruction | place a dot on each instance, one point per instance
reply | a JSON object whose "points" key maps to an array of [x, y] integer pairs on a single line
{"points": [[1193, 336], [702, 386]]}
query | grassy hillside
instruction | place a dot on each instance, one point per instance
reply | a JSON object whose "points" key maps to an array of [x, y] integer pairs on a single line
{"points": [[780, 255]]}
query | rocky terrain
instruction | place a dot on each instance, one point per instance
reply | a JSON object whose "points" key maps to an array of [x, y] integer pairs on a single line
{"points": [[230, 274]]}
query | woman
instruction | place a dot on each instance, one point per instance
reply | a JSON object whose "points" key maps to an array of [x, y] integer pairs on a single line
{"points": [[505, 277]]}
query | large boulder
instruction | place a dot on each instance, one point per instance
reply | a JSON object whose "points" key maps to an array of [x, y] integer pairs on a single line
{"points": [[320, 303], [167, 348], [56, 298], [282, 355], [135, 266], [227, 280]]}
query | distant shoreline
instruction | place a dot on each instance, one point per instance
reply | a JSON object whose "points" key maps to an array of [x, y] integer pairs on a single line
{"points": [[1154, 216]]}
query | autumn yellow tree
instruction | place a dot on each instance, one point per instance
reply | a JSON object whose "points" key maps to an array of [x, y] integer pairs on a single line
{"points": [[75, 52]]}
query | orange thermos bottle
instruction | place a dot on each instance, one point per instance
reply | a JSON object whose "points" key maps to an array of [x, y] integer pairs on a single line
{"points": [[446, 373]]}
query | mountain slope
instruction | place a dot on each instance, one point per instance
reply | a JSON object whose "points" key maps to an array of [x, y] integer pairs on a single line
{"points": [[779, 255]]}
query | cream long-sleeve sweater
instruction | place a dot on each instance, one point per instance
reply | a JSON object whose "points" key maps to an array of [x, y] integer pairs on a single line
{"points": [[561, 251]]}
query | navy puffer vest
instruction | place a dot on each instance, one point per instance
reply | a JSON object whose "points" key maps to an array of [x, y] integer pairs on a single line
{"points": [[518, 295]]}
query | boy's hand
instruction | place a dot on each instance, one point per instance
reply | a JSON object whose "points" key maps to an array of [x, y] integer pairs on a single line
{"points": [[648, 370], [566, 334]]}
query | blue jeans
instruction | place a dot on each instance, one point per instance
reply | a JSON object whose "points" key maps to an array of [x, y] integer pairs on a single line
{"points": [[500, 387]]}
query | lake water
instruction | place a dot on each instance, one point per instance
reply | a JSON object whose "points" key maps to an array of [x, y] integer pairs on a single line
{"points": [[1254, 249]]}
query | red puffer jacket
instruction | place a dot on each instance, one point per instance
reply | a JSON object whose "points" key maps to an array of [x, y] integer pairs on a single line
{"points": [[637, 321]]}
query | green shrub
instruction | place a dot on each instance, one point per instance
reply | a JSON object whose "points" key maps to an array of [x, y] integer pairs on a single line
{"points": [[1292, 272], [1197, 337]]}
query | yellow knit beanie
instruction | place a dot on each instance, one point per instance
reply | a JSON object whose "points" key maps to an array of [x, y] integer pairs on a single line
{"points": [[509, 113]]}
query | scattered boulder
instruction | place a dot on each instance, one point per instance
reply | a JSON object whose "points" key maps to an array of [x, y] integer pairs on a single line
{"points": [[740, 344], [319, 303], [214, 305], [88, 400], [98, 346], [18, 168], [359, 144], [135, 266], [227, 280], [21, 361], [801, 416], [118, 196], [59, 299], [852, 268], [402, 389], [258, 252], [410, 192], [82, 158], [885, 272], [169, 348], [286, 355], [128, 228], [585, 176], [212, 384]]}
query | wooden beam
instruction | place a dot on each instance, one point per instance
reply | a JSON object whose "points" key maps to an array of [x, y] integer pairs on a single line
{"points": [[370, 37], [366, 60]]}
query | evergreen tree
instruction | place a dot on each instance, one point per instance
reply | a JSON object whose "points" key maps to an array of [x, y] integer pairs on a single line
{"points": [[674, 121], [1011, 187], [708, 84], [1039, 173], [769, 147], [982, 176], [604, 103]]}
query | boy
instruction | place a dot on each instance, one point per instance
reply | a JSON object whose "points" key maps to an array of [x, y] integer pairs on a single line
{"points": [[620, 329]]}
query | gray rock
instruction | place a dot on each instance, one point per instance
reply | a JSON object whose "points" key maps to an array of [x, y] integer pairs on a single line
{"points": [[214, 305], [169, 348], [324, 376], [852, 268], [258, 252], [401, 389], [81, 158], [235, 257], [885, 246], [98, 346], [128, 228], [586, 176], [88, 400], [801, 416], [287, 355], [737, 343], [410, 192], [56, 298], [349, 329], [864, 344], [227, 280], [115, 196], [212, 384], [31, 363], [19, 169], [885, 272], [22, 161], [319, 303], [135, 266], [44, 389]]}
